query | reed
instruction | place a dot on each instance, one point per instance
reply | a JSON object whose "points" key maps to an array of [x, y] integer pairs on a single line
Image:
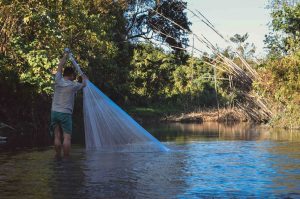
{"points": [[254, 106]]}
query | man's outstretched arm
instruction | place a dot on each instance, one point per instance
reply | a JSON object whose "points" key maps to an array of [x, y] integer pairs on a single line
{"points": [[62, 63]]}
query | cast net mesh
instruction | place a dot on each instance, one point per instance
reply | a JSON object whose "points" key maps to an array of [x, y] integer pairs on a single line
{"points": [[109, 128]]}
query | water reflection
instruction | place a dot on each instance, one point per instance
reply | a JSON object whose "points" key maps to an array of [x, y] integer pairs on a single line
{"points": [[133, 175], [67, 176], [285, 159], [109, 175], [214, 131], [206, 161], [25, 174]]}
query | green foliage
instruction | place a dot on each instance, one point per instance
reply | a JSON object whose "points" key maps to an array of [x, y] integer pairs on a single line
{"points": [[34, 33], [194, 84], [286, 28], [42, 29], [231, 88], [280, 83], [151, 72], [33, 36], [158, 77], [193, 77], [280, 73]]}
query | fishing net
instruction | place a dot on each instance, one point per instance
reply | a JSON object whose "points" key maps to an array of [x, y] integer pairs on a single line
{"points": [[109, 128]]}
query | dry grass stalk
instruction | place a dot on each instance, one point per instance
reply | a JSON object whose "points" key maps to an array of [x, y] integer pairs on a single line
{"points": [[255, 107]]}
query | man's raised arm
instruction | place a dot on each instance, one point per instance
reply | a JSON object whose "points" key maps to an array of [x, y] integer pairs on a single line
{"points": [[62, 62]]}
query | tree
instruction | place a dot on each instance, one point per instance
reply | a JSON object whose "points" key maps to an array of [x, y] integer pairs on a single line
{"points": [[33, 35], [164, 21], [280, 84], [285, 26], [38, 31], [279, 75], [151, 73], [245, 49]]}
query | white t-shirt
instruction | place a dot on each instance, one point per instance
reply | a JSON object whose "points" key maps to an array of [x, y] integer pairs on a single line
{"points": [[64, 93]]}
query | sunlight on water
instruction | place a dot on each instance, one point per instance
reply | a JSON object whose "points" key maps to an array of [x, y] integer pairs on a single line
{"points": [[205, 161]]}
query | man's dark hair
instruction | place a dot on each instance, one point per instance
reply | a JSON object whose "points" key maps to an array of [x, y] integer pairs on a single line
{"points": [[69, 71]]}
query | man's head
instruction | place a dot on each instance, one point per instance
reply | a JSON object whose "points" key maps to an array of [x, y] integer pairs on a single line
{"points": [[69, 73]]}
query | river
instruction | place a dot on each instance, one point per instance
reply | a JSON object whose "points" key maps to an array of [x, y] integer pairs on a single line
{"points": [[207, 160]]}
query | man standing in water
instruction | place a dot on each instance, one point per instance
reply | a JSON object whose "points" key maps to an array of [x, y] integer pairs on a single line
{"points": [[62, 106]]}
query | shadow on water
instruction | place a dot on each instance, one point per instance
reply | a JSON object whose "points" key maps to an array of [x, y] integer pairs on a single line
{"points": [[67, 178], [207, 160]]}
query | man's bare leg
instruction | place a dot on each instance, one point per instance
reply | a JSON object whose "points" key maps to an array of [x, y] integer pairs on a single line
{"points": [[67, 144], [57, 141]]}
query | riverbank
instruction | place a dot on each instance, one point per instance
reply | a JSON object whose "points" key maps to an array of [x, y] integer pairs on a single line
{"points": [[221, 115], [153, 114]]}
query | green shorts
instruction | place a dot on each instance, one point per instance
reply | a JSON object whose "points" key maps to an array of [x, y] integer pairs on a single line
{"points": [[62, 119]]}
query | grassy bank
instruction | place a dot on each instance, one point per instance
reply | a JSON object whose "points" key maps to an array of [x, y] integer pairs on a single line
{"points": [[224, 115], [173, 114], [152, 113]]}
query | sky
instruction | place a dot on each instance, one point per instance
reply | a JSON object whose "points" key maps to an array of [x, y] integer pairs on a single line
{"points": [[231, 17]]}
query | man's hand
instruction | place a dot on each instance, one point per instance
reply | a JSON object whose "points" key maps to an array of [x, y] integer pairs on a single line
{"points": [[62, 62], [84, 80]]}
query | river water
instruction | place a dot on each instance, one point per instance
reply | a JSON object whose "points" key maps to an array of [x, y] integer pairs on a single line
{"points": [[206, 161]]}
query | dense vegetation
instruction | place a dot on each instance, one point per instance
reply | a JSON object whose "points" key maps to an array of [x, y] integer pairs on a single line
{"points": [[280, 72], [112, 42], [103, 34]]}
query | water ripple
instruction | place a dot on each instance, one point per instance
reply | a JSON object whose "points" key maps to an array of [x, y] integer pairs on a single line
{"points": [[192, 169]]}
